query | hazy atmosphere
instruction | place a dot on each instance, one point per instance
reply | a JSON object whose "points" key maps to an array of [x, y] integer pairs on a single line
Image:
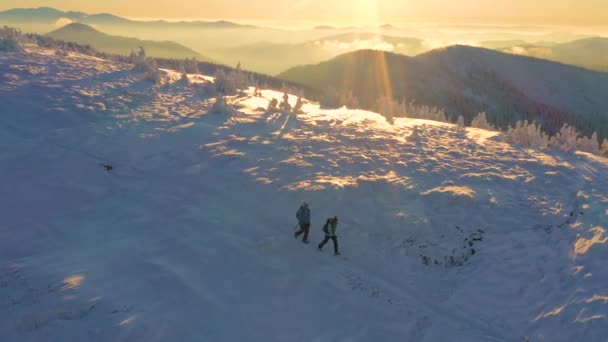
{"points": [[350, 12]]}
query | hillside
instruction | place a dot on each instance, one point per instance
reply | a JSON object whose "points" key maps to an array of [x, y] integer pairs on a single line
{"points": [[467, 80], [447, 234], [83, 34]]}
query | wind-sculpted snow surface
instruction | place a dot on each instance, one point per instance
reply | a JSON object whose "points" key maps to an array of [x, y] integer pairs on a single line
{"points": [[449, 234]]}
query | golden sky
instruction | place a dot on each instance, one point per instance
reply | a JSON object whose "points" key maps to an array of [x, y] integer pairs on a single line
{"points": [[355, 12]]}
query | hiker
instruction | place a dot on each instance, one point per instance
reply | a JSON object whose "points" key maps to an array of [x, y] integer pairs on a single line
{"points": [[330, 233], [303, 216]]}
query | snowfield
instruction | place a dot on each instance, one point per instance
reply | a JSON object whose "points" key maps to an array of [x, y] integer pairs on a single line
{"points": [[446, 234]]}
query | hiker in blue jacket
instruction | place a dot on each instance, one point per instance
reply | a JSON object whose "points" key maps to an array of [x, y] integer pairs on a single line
{"points": [[303, 216], [330, 233]]}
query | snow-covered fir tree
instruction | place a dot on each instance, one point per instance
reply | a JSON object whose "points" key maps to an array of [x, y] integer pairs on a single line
{"points": [[298, 107], [604, 148], [224, 84], [481, 121], [191, 66], [460, 121], [273, 106], [146, 65], [565, 139], [10, 40], [184, 79], [527, 134], [590, 145], [221, 106], [284, 106]]}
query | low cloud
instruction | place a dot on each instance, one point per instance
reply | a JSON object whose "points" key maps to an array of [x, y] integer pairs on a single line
{"points": [[532, 51], [374, 44], [432, 44], [518, 50], [61, 22]]}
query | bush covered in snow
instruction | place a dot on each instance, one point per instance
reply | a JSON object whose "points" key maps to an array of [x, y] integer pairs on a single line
{"points": [[272, 106], [146, 65], [604, 148], [184, 79], [10, 40], [298, 107], [221, 106], [590, 145], [481, 121], [191, 66], [460, 121], [284, 106], [527, 134], [566, 139], [224, 84]]}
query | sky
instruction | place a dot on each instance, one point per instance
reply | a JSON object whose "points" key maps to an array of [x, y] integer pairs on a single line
{"points": [[356, 12]]}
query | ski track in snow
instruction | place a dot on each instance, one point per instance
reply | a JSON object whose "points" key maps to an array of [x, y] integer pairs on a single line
{"points": [[190, 236]]}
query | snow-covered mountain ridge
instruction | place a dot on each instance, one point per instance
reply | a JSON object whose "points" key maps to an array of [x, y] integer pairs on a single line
{"points": [[447, 233]]}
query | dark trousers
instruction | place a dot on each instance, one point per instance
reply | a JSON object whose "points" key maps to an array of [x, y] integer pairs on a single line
{"points": [[304, 228], [333, 238]]}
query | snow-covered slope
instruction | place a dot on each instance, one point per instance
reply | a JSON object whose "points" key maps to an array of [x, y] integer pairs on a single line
{"points": [[190, 236]]}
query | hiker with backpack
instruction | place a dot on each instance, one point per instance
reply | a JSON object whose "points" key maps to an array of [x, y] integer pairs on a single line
{"points": [[330, 233], [303, 216]]}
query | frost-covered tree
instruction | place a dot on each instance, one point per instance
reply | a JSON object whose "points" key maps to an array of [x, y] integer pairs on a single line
{"points": [[185, 79], [565, 139], [191, 66], [221, 106], [590, 145], [604, 148], [284, 106], [422, 112], [298, 107], [272, 106], [207, 89], [146, 65], [224, 84], [10, 40], [460, 121], [239, 78], [527, 134], [481, 121]]}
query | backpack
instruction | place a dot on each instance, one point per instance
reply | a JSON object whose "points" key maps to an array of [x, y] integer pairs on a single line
{"points": [[325, 229]]}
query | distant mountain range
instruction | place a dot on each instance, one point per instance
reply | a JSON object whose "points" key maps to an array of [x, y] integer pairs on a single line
{"points": [[51, 16], [590, 53], [466, 80], [273, 58], [83, 34], [271, 50]]}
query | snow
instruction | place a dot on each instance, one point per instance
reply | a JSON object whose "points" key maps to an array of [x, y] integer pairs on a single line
{"points": [[190, 236]]}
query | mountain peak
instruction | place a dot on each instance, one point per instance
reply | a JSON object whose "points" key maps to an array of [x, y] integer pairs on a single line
{"points": [[76, 27]]}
